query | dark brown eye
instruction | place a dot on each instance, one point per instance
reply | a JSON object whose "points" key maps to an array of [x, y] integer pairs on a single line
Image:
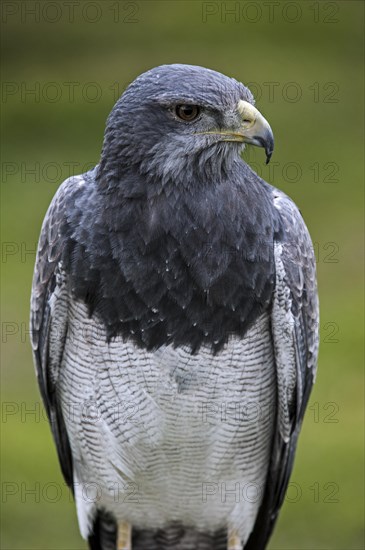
{"points": [[187, 112]]}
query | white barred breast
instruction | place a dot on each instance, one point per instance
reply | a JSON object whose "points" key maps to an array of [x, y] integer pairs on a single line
{"points": [[166, 435]]}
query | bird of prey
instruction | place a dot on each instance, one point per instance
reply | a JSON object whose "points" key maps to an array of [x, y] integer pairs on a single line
{"points": [[174, 320]]}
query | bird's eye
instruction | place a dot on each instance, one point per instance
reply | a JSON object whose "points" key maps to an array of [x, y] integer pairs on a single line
{"points": [[187, 112]]}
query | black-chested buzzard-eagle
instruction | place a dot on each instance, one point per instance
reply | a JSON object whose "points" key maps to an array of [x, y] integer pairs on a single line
{"points": [[174, 323]]}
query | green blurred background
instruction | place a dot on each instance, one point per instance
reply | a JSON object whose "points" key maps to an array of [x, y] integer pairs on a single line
{"points": [[304, 63]]}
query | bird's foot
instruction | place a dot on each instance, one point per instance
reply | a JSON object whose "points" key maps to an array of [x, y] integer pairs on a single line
{"points": [[124, 536], [234, 541]]}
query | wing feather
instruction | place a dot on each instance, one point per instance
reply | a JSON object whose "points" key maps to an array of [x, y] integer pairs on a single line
{"points": [[48, 319], [294, 322]]}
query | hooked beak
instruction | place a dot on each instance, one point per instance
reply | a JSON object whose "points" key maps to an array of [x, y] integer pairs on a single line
{"points": [[255, 128]]}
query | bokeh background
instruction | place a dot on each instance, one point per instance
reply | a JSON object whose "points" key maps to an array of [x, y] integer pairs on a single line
{"points": [[64, 64]]}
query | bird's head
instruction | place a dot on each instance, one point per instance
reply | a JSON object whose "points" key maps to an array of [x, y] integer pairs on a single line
{"points": [[179, 122]]}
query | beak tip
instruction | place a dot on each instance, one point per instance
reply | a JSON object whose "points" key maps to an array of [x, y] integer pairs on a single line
{"points": [[266, 141], [269, 145]]}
